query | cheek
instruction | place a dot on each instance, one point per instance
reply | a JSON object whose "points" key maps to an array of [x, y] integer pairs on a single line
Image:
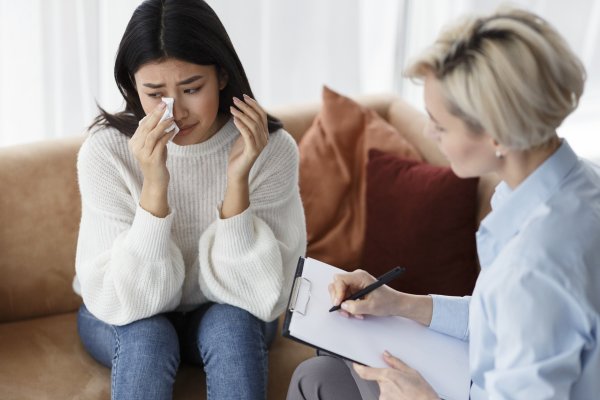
{"points": [[469, 159], [149, 104], [431, 133], [207, 101]]}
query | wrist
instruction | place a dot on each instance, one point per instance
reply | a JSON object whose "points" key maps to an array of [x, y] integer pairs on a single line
{"points": [[237, 198], [419, 308], [154, 199], [238, 180]]}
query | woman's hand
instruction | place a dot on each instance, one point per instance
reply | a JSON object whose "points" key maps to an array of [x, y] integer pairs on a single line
{"points": [[399, 382], [149, 147], [380, 302], [383, 301], [251, 121]]}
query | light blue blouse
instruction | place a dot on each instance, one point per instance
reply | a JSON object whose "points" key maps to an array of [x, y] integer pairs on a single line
{"points": [[533, 321]]}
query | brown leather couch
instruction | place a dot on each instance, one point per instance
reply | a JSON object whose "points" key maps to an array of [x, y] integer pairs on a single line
{"points": [[40, 353]]}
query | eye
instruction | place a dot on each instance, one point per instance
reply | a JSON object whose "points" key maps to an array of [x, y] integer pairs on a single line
{"points": [[153, 95], [439, 128], [193, 90]]}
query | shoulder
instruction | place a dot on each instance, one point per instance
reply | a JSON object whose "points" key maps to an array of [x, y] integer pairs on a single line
{"points": [[568, 224], [276, 170], [104, 158], [104, 144], [282, 143], [280, 154]]}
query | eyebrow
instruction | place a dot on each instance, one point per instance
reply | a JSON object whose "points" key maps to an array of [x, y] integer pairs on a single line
{"points": [[183, 82]]}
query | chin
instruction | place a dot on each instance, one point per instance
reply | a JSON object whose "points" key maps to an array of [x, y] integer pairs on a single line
{"points": [[464, 174], [183, 140]]}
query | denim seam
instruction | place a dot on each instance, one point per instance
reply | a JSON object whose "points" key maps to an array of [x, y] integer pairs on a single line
{"points": [[115, 362], [199, 348]]}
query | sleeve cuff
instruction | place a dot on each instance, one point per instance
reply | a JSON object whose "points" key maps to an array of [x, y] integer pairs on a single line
{"points": [[149, 236], [451, 315], [235, 235]]}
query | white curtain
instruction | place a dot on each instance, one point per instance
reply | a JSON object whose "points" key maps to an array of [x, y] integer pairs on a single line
{"points": [[57, 55], [56, 62]]}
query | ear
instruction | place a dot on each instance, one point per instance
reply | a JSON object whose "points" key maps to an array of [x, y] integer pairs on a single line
{"points": [[499, 149], [223, 78]]}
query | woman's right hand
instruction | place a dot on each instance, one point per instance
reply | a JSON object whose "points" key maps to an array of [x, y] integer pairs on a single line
{"points": [[378, 302], [383, 301], [149, 147]]}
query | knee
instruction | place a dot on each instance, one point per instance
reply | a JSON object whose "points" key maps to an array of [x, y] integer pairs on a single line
{"points": [[310, 371], [154, 339], [225, 328], [224, 320], [314, 374]]}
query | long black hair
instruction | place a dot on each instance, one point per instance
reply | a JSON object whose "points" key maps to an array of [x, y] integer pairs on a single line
{"points": [[188, 30]]}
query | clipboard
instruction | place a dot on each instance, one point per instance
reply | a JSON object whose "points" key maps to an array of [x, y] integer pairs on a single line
{"points": [[442, 360]]}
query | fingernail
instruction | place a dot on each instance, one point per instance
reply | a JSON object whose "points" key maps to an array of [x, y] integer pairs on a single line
{"points": [[236, 100], [246, 96], [162, 105], [387, 353], [344, 306], [337, 301]]}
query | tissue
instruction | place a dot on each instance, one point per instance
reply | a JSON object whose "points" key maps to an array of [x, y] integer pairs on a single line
{"points": [[168, 114]]}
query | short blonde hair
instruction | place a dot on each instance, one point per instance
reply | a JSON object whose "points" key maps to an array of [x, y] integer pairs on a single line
{"points": [[510, 75]]}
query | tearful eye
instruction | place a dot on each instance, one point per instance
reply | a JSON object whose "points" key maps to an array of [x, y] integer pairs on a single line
{"points": [[192, 91]]}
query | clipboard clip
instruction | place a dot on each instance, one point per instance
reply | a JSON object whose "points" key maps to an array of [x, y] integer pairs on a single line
{"points": [[300, 295]]}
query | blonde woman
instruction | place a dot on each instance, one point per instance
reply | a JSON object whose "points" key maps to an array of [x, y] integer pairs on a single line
{"points": [[496, 90]]}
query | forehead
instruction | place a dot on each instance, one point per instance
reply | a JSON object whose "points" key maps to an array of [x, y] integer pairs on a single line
{"points": [[432, 92], [171, 69]]}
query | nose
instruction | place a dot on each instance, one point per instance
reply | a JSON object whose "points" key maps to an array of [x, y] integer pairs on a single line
{"points": [[179, 110]]}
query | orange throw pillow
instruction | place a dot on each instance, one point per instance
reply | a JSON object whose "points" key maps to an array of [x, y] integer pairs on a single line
{"points": [[333, 160]]}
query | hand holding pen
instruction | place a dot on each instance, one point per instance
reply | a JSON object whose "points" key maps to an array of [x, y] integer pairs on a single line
{"points": [[346, 289]]}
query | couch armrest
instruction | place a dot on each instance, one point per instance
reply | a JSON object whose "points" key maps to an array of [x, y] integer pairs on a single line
{"points": [[40, 209]]}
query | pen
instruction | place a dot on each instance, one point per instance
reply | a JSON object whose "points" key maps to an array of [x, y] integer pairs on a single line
{"points": [[382, 280]]}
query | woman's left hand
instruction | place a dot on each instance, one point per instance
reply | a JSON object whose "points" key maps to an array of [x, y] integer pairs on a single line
{"points": [[251, 121], [399, 382]]}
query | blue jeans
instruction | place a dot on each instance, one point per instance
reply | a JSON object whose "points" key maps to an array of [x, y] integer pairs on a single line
{"points": [[230, 344]]}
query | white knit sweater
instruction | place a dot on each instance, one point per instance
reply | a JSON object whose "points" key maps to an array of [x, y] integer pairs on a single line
{"points": [[132, 265]]}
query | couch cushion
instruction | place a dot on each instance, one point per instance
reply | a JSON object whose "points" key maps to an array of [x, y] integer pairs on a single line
{"points": [[333, 157], [421, 217], [43, 358]]}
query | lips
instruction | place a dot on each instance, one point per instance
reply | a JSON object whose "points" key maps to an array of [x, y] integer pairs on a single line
{"points": [[184, 130]]}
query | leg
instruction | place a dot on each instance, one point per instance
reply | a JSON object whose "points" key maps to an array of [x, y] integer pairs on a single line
{"points": [[231, 344], [143, 356], [323, 378]]}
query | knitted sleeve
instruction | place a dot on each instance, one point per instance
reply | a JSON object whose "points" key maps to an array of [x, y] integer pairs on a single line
{"points": [[127, 266], [249, 260]]}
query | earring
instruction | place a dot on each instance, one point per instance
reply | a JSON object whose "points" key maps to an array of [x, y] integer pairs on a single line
{"points": [[499, 154]]}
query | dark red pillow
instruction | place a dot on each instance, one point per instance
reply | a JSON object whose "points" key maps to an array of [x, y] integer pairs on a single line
{"points": [[421, 217]]}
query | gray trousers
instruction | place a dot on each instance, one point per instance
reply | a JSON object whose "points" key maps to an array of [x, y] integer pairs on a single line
{"points": [[329, 378]]}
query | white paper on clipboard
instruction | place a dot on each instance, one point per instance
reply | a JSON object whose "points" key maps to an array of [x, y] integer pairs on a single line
{"points": [[442, 360]]}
